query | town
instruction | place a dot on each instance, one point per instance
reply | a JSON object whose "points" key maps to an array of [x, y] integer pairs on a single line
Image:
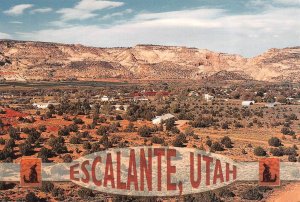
{"points": [[62, 123]]}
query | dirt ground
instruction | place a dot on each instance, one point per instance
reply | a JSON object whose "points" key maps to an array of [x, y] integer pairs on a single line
{"points": [[289, 193]]}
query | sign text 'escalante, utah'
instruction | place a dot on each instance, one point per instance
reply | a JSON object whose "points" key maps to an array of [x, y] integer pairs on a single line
{"points": [[153, 171]]}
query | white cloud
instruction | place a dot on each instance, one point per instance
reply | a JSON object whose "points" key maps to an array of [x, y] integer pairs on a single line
{"points": [[5, 36], [127, 11], [41, 10], [16, 22], [215, 29], [85, 9], [272, 3], [59, 24], [288, 2], [18, 9]]}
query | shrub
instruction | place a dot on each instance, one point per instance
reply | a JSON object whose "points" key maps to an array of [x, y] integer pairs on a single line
{"points": [[87, 145], [216, 146], [25, 148], [44, 154], [225, 193], [209, 142], [225, 126], [2, 141], [179, 140], [130, 127], [13, 133], [274, 141], [7, 154], [259, 151], [55, 141], [226, 141], [64, 132], [33, 135], [102, 130], [252, 194], [203, 122], [207, 197], [244, 151], [3, 185], [73, 128], [57, 192], [10, 144], [189, 131], [264, 189], [144, 131], [114, 127], [31, 197], [170, 123], [295, 147], [119, 117], [157, 140], [175, 130], [105, 141], [47, 186], [290, 151], [287, 131], [292, 158], [75, 140], [60, 148], [239, 125], [78, 121], [293, 117], [277, 151], [67, 158], [85, 193], [42, 128]]}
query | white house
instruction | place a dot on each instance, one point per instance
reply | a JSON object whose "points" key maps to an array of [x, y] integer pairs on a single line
{"points": [[44, 105], [106, 99], [140, 99], [160, 119], [272, 105], [248, 103], [121, 107], [208, 97], [193, 94]]}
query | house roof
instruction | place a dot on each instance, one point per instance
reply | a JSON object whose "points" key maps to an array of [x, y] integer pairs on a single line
{"points": [[164, 117], [248, 102]]}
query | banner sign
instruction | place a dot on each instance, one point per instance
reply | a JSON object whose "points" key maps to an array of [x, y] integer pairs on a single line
{"points": [[151, 171]]}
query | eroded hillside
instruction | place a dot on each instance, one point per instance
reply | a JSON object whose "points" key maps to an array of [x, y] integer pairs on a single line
{"points": [[51, 61]]}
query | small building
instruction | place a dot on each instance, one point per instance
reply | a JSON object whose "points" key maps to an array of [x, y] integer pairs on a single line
{"points": [[208, 97], [141, 98], [121, 107], [44, 105], [107, 99], [272, 104], [160, 119], [248, 103], [193, 94]]}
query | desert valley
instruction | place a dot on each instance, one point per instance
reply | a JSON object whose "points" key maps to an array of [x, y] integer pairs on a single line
{"points": [[60, 102]]}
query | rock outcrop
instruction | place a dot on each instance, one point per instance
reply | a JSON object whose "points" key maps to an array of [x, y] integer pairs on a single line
{"points": [[21, 60]]}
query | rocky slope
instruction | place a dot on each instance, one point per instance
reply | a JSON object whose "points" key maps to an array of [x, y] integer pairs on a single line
{"points": [[51, 61]]}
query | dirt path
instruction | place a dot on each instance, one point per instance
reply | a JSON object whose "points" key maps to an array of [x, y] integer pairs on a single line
{"points": [[245, 139], [290, 193]]}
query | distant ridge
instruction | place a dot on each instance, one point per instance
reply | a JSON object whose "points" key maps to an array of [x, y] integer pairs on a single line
{"points": [[30, 60]]}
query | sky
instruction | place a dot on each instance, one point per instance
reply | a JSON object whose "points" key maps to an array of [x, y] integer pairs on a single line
{"points": [[245, 27]]}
